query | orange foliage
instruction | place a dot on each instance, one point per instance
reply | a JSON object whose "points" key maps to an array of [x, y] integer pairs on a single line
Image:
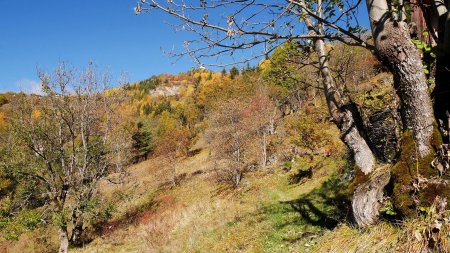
{"points": [[2, 121]]}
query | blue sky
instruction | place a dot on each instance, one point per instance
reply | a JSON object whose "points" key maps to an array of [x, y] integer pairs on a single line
{"points": [[38, 34], [41, 33]]}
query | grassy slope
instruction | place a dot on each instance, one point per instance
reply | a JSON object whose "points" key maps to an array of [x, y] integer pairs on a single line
{"points": [[267, 214]]}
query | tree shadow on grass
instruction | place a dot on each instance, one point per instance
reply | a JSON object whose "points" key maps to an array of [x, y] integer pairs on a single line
{"points": [[324, 207], [310, 214], [300, 176]]}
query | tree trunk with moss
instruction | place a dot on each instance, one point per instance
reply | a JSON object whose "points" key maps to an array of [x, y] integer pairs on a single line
{"points": [[396, 50]]}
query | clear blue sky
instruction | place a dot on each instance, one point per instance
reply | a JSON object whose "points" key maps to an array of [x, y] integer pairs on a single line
{"points": [[40, 33]]}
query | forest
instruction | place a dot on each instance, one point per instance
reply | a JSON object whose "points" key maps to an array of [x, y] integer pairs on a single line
{"points": [[300, 130]]}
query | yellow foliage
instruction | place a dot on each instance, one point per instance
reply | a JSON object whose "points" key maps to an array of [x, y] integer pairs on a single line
{"points": [[36, 114], [202, 74], [183, 91], [187, 91], [167, 122], [2, 121], [330, 47], [264, 64], [112, 91]]}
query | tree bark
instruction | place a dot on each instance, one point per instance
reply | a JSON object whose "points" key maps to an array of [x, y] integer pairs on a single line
{"points": [[396, 50], [76, 234], [345, 115], [264, 149], [63, 240], [368, 197], [365, 202]]}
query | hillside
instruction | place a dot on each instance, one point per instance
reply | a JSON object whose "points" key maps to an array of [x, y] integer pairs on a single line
{"points": [[212, 162]]}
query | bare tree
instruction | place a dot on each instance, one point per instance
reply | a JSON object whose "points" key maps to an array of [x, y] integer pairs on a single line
{"points": [[67, 138], [247, 24], [229, 137]]}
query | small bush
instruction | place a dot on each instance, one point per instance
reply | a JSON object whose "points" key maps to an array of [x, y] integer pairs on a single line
{"points": [[228, 174], [24, 221], [287, 166], [3, 99], [163, 106], [310, 132]]}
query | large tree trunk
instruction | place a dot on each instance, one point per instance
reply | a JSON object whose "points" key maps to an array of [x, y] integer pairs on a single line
{"points": [[345, 115], [396, 50], [63, 240], [368, 197]]}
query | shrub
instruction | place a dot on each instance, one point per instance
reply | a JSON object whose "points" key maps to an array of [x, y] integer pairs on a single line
{"points": [[234, 72], [3, 99], [142, 143], [13, 227], [163, 106], [310, 132]]}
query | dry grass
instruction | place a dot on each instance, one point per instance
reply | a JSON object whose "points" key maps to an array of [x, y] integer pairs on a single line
{"points": [[261, 216], [379, 238], [39, 240], [201, 216]]}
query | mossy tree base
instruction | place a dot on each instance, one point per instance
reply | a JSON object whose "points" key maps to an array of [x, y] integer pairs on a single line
{"points": [[415, 182]]}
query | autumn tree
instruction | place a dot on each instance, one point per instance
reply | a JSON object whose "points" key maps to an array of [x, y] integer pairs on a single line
{"points": [[293, 73], [64, 142], [172, 145], [3, 99], [259, 118], [228, 137]]}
